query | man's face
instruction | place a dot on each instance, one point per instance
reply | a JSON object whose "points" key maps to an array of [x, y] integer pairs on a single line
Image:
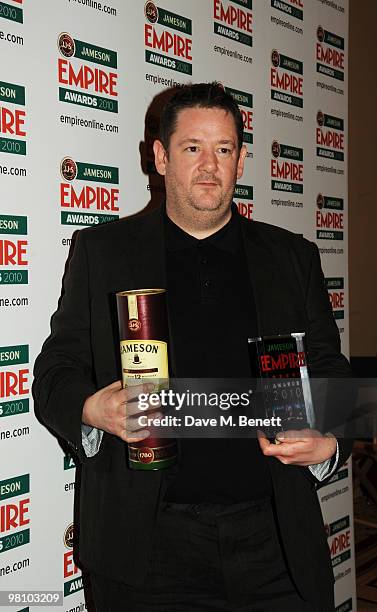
{"points": [[203, 162]]}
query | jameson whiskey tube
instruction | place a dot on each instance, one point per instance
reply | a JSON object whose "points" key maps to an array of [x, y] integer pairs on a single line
{"points": [[281, 364], [143, 330]]}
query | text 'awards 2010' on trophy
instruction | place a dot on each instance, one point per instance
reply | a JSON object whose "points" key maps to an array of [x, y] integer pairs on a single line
{"points": [[143, 331], [280, 364]]}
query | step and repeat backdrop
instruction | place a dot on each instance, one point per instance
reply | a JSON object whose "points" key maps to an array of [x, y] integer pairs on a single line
{"points": [[80, 91]]}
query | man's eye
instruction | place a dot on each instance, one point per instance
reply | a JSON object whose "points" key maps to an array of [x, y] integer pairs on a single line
{"points": [[192, 149], [224, 150]]}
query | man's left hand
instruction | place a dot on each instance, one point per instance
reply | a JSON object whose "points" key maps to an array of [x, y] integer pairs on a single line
{"points": [[303, 447]]}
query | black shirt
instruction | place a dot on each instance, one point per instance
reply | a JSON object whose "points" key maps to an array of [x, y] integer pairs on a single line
{"points": [[212, 313]]}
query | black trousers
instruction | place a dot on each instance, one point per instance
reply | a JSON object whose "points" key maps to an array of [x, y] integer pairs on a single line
{"points": [[210, 557]]}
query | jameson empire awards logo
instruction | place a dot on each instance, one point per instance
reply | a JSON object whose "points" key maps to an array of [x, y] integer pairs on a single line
{"points": [[286, 79], [243, 197], [335, 288], [14, 512], [70, 569], [292, 8], [234, 19], [330, 137], [245, 102], [287, 168], [87, 74], [329, 219], [12, 10], [88, 204], [12, 118], [167, 39], [13, 250], [339, 540], [330, 54], [14, 380]]}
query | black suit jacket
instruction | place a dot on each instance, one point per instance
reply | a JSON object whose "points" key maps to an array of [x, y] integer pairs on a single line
{"points": [[117, 505]]}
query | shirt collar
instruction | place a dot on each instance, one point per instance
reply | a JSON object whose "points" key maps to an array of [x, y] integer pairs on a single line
{"points": [[227, 238]]}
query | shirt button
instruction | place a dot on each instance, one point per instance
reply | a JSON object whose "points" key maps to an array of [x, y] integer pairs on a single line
{"points": [[207, 283], [204, 260]]}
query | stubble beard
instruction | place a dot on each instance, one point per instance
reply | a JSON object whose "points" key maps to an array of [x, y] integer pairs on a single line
{"points": [[188, 210]]}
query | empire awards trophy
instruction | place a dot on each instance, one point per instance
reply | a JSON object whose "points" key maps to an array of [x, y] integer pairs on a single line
{"points": [[280, 364]]}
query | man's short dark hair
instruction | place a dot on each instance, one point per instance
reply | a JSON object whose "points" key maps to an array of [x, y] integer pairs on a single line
{"points": [[198, 95]]}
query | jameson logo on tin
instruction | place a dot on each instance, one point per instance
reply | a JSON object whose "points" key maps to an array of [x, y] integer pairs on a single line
{"points": [[292, 8], [12, 118], [71, 573], [8, 10], [14, 380], [330, 54], [245, 102], [14, 512], [87, 74], [286, 79], [243, 197], [167, 39], [13, 250], [335, 288], [330, 137], [330, 225], [234, 19], [81, 201], [339, 540], [287, 168]]}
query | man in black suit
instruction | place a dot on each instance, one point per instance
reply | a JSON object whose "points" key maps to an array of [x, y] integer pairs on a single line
{"points": [[236, 524]]}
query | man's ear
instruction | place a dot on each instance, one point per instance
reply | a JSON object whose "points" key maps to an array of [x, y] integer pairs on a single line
{"points": [[241, 161], [160, 157]]}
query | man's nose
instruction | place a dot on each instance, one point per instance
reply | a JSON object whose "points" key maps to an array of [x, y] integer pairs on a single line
{"points": [[208, 160]]}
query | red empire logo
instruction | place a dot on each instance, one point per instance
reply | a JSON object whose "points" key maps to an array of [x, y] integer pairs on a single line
{"points": [[233, 16], [287, 82], [14, 515], [333, 220], [12, 121], [340, 543], [287, 170], [245, 209], [247, 117], [336, 299], [166, 42], [13, 252], [69, 566], [85, 77], [283, 361], [13, 384], [329, 56], [100, 198], [330, 138]]}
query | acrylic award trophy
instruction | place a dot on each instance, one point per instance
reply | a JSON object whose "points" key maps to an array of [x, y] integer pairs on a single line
{"points": [[280, 365]]}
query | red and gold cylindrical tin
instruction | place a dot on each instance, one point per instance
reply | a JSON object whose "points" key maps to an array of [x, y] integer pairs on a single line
{"points": [[143, 330]]}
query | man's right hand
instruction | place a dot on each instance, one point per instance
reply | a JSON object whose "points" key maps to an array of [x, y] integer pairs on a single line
{"points": [[112, 409]]}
